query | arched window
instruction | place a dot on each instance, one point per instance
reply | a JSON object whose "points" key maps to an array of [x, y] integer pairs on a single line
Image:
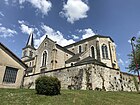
{"points": [[80, 49], [44, 58], [92, 52], [104, 51]]}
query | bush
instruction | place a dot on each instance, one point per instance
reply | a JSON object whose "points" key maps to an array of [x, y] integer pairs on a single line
{"points": [[47, 85]]}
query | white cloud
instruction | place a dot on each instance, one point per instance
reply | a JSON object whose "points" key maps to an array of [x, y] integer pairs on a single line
{"points": [[74, 10], [38, 41], [21, 1], [6, 2], [6, 32], [1, 14], [43, 6], [127, 62], [121, 61], [75, 36], [138, 33], [21, 22], [25, 28], [54, 35], [87, 33], [38, 32], [129, 41]]}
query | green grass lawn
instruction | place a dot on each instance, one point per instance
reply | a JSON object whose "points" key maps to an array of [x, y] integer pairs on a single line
{"points": [[68, 97]]}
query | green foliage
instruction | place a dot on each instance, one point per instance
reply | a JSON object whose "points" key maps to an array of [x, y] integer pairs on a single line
{"points": [[136, 83], [132, 65], [47, 85]]}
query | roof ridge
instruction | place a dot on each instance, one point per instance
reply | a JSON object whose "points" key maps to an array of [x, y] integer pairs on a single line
{"points": [[12, 54], [65, 49], [94, 36]]}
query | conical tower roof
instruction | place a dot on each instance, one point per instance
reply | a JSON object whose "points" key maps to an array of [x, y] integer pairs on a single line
{"points": [[30, 41]]}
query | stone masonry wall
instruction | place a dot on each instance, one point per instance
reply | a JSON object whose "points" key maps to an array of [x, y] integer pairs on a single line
{"points": [[88, 77]]}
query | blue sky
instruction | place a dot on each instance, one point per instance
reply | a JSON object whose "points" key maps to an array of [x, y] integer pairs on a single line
{"points": [[68, 21]]}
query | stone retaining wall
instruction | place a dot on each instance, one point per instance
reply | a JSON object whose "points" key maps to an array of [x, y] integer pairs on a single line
{"points": [[90, 76]]}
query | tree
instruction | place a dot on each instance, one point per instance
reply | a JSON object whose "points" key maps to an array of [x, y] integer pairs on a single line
{"points": [[135, 57]]}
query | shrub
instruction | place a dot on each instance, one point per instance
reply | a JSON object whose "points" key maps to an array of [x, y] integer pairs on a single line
{"points": [[47, 85]]}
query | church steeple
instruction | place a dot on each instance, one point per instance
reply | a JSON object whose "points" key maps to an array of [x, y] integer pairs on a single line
{"points": [[30, 41], [28, 51]]}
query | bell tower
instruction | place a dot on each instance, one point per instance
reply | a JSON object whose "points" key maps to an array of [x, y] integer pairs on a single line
{"points": [[29, 50]]}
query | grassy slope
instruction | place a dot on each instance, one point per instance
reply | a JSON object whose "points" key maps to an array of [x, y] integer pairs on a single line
{"points": [[67, 97]]}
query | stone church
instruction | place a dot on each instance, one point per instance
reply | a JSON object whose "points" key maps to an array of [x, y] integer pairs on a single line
{"points": [[90, 63], [49, 55]]}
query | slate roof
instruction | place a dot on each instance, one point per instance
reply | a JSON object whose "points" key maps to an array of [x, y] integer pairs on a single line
{"points": [[64, 49], [89, 60], [29, 70], [74, 58], [88, 39], [30, 41], [11, 54]]}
